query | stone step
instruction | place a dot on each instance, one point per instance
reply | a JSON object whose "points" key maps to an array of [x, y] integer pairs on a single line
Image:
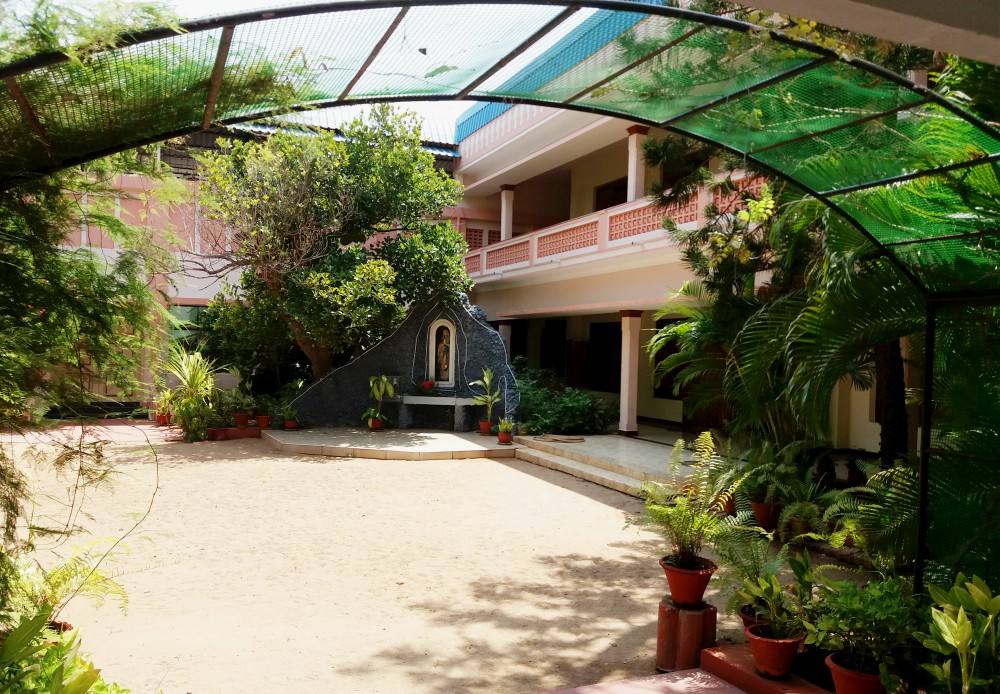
{"points": [[690, 681], [585, 471], [583, 453], [734, 663]]}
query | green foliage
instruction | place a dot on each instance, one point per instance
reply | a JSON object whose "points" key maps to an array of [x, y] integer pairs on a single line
{"points": [[82, 574], [489, 396], [870, 624], [33, 660], [963, 629], [380, 387], [547, 406], [772, 606], [193, 396], [745, 554], [298, 201], [505, 425], [688, 511]]}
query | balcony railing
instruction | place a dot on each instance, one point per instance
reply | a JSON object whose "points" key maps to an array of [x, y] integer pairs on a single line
{"points": [[598, 233]]}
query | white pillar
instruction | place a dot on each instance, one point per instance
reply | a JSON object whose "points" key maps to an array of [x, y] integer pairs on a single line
{"points": [[504, 328], [506, 212], [629, 403], [636, 165]]}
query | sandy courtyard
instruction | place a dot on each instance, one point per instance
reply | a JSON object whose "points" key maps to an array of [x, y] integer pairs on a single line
{"points": [[268, 572]]}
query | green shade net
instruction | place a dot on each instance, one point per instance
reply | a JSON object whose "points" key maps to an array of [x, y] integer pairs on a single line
{"points": [[896, 160]]}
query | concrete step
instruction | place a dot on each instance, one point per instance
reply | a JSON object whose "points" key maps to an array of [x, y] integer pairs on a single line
{"points": [[691, 681], [734, 663], [606, 478], [584, 453]]}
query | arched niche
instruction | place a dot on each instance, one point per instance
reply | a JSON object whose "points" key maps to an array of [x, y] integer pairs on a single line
{"points": [[441, 353]]}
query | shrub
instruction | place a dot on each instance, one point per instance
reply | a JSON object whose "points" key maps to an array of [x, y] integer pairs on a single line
{"points": [[549, 407]]}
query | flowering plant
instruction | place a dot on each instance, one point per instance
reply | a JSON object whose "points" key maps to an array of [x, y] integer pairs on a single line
{"points": [[427, 386]]}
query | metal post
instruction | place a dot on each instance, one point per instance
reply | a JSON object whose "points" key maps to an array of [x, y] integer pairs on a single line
{"points": [[925, 450]]}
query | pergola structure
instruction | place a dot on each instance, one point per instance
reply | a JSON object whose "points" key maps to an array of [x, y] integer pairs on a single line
{"points": [[907, 167]]}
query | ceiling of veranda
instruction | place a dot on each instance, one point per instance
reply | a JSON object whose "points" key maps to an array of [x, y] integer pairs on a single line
{"points": [[905, 166]]}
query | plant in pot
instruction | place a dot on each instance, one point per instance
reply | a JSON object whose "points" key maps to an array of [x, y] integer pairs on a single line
{"points": [[265, 406], [775, 639], [194, 392], [746, 551], [689, 513], [963, 630], [488, 397], [164, 401], [380, 387], [505, 430], [289, 416], [866, 627], [765, 475], [805, 506]]}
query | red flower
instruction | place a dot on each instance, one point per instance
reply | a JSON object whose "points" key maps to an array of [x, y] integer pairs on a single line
{"points": [[427, 385]]}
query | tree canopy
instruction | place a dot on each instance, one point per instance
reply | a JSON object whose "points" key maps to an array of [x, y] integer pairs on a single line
{"points": [[330, 233]]}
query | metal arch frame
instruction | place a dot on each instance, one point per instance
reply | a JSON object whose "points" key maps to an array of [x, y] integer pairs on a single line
{"points": [[822, 55]]}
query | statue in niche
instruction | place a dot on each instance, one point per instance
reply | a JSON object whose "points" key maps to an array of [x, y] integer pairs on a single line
{"points": [[442, 354]]}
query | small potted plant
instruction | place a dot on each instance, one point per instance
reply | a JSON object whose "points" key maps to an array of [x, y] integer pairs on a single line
{"points": [[427, 387], [505, 430], [164, 400], [380, 387], [290, 416], [775, 639], [688, 512], [866, 627], [265, 406], [488, 397]]}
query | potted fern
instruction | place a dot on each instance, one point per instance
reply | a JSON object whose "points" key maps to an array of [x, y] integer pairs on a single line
{"points": [[689, 512], [488, 397]]}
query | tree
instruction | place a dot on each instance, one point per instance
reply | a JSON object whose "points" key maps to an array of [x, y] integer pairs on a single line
{"points": [[300, 206]]}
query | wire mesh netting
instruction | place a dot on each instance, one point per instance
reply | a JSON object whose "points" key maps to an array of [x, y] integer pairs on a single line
{"points": [[963, 528], [897, 160]]}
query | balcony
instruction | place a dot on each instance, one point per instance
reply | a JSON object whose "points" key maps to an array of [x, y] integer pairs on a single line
{"points": [[614, 233]]}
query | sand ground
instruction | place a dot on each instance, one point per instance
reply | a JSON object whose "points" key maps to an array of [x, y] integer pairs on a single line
{"points": [[258, 571]]}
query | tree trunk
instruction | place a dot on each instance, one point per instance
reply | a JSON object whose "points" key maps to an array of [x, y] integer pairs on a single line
{"points": [[320, 358], [890, 402]]}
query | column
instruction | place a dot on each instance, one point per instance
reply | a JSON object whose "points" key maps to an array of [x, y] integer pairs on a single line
{"points": [[636, 165], [506, 212], [629, 403], [504, 328]]}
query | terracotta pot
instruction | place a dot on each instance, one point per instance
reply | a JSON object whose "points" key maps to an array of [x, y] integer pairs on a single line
{"points": [[241, 419], [264, 421], [505, 437], [847, 681], [687, 586], [484, 427], [766, 514], [59, 627], [772, 657], [374, 424], [292, 423], [161, 420]]}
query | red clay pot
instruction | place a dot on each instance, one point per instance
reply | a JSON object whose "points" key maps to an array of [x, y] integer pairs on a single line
{"points": [[847, 681], [294, 423], [161, 420], [772, 658], [241, 419], [505, 437], [766, 514], [264, 421], [373, 424], [484, 427], [687, 586]]}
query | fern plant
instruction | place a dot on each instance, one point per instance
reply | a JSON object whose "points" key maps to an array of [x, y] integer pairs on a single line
{"points": [[689, 511]]}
